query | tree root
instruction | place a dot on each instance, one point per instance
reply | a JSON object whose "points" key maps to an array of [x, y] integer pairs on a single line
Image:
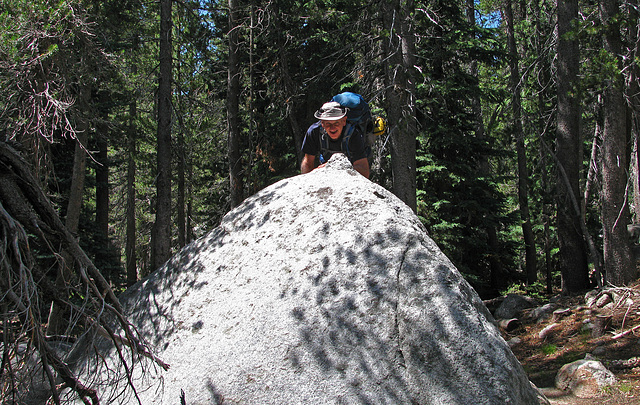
{"points": [[26, 210]]}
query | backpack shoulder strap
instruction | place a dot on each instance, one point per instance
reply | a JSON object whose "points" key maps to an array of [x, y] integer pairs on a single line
{"points": [[348, 131], [324, 154]]}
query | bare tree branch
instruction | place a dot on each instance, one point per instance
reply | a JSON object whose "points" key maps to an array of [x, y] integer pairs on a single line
{"points": [[24, 210]]}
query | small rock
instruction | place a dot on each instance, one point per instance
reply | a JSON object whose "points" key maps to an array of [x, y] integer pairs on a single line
{"points": [[627, 303], [599, 351], [587, 326], [603, 300], [544, 312], [514, 342], [584, 378], [493, 303], [555, 298], [615, 296], [561, 313], [512, 305], [591, 297]]}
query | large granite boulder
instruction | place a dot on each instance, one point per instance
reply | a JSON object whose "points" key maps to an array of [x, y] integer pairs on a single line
{"points": [[323, 288]]}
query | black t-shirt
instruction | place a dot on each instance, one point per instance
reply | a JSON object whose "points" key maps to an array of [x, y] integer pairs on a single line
{"points": [[318, 143]]}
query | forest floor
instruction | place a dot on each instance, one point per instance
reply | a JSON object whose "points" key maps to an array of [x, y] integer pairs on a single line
{"points": [[542, 358]]}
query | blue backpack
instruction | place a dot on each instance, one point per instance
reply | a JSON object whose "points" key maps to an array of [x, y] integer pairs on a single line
{"points": [[358, 116]]}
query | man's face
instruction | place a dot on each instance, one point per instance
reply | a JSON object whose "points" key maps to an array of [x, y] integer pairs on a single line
{"points": [[334, 128]]}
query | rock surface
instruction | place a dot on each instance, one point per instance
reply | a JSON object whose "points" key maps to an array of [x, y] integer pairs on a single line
{"points": [[584, 378], [513, 305], [323, 288]]}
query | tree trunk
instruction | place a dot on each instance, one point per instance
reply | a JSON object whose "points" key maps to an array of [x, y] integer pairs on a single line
{"points": [[102, 185], [105, 257], [593, 166], [76, 192], [400, 93], [288, 89], [633, 95], [236, 185], [572, 254], [130, 242], [161, 237], [181, 205], [189, 225], [55, 323], [618, 265], [496, 268], [130, 247], [523, 175], [544, 77]]}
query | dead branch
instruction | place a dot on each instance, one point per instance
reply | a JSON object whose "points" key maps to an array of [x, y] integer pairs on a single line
{"points": [[26, 209], [625, 333]]}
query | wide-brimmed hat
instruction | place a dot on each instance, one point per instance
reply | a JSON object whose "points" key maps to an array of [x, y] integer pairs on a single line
{"points": [[331, 111]]}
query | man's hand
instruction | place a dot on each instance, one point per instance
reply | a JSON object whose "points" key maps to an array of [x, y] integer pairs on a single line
{"points": [[362, 166], [308, 163]]}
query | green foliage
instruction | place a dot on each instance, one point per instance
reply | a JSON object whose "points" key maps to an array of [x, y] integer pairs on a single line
{"points": [[47, 55], [536, 290], [460, 202], [549, 349]]}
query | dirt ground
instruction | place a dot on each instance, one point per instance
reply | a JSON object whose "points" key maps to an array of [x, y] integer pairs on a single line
{"points": [[542, 358]]}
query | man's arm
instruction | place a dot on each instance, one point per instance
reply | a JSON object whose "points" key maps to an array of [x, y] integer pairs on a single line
{"points": [[308, 163], [362, 166]]}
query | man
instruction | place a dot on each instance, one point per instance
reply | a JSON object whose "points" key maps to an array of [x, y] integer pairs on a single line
{"points": [[326, 137]]}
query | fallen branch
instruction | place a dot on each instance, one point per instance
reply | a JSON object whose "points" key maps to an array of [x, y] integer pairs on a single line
{"points": [[623, 364], [25, 209], [625, 333], [135, 346], [49, 357]]}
